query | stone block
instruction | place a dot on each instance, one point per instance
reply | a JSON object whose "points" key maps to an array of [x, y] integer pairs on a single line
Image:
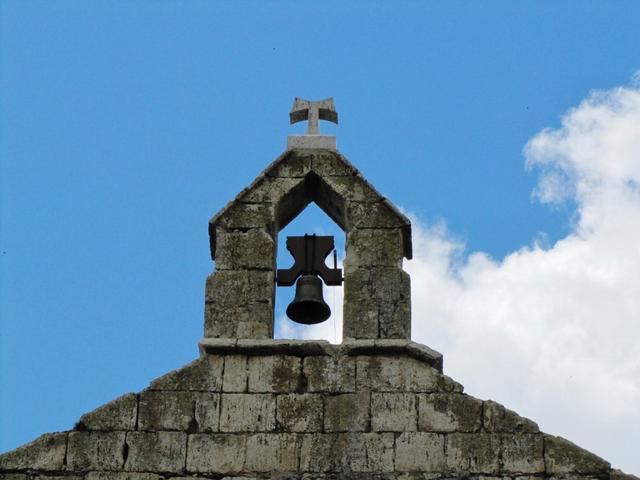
{"points": [[95, 451], [161, 410], [472, 453], [327, 164], [220, 453], [379, 284], [236, 374], [207, 413], [522, 453], [14, 476], [275, 373], [352, 188], [122, 476], [561, 457], [311, 142], [378, 215], [394, 318], [330, 374], [276, 452], [318, 452], [51, 477], [241, 216], [294, 164], [248, 321], [449, 412], [497, 418], [364, 452], [396, 374], [184, 411], [360, 319], [120, 414], [420, 452], [299, 412], [156, 451], [240, 412], [393, 412], [347, 452], [204, 374], [269, 189], [233, 288], [369, 247], [45, 453], [347, 412], [377, 303], [250, 249]]}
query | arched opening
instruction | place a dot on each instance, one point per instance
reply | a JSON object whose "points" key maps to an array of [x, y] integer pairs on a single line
{"points": [[312, 220]]}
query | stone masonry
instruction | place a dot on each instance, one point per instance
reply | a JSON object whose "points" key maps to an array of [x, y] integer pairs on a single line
{"points": [[377, 406]]}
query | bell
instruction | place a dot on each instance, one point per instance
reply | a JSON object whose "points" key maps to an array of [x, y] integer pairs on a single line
{"points": [[308, 306]]}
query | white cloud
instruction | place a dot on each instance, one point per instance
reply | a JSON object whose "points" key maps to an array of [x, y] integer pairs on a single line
{"points": [[553, 333]]}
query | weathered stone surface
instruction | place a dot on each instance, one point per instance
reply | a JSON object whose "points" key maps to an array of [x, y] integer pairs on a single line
{"points": [[207, 413], [418, 451], [248, 321], [122, 476], [373, 215], [13, 476], [120, 414], [473, 453], [45, 453], [95, 451], [272, 453], [275, 373], [369, 247], [186, 411], [396, 374], [361, 319], [251, 249], [327, 164], [522, 453], [449, 412], [247, 216], [347, 412], [500, 419], [561, 456], [347, 452], [240, 412], [377, 303], [299, 412], [330, 374], [293, 164], [352, 188], [221, 453], [232, 288], [162, 410], [269, 189], [365, 452], [156, 451], [393, 412], [236, 374], [382, 284], [318, 452], [204, 374]]}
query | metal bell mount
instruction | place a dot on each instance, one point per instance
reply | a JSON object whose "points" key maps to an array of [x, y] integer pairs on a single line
{"points": [[309, 252]]}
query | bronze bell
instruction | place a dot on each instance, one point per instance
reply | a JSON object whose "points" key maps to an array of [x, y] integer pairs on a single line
{"points": [[308, 306]]}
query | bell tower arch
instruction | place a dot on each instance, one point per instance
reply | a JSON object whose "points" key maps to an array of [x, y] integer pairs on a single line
{"points": [[240, 293]]}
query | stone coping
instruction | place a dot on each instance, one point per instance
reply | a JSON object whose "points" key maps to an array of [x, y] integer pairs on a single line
{"points": [[224, 346]]}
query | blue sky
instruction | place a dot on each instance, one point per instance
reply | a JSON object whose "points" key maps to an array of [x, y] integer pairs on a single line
{"points": [[124, 126]]}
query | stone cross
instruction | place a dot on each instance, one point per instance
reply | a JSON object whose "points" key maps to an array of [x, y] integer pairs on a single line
{"points": [[313, 111]]}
